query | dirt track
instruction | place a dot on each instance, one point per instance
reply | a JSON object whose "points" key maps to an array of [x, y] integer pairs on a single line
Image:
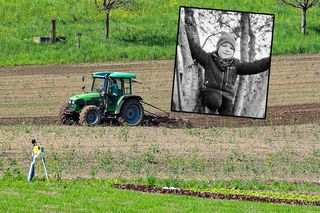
{"points": [[281, 115]]}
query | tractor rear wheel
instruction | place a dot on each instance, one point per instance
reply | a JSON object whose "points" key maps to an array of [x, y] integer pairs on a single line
{"points": [[132, 112], [67, 118], [90, 115]]}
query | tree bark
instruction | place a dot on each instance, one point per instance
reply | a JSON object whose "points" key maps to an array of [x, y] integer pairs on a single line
{"points": [[257, 93], [177, 94], [304, 21], [252, 90], [189, 83], [243, 80], [106, 33]]}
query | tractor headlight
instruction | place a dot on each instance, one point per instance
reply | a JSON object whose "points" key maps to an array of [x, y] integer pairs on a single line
{"points": [[71, 102]]}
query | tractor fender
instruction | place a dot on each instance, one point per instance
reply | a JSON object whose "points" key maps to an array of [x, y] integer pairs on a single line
{"points": [[123, 99]]}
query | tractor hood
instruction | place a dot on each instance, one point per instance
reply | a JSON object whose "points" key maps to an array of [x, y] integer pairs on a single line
{"points": [[86, 96], [77, 102]]}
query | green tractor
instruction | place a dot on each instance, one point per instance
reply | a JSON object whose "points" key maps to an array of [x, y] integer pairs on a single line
{"points": [[110, 98]]}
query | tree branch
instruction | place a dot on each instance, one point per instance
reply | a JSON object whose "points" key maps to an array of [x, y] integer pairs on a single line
{"points": [[214, 34], [227, 25], [312, 3], [97, 6], [292, 4]]}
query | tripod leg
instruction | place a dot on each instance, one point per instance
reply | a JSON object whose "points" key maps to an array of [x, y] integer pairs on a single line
{"points": [[44, 167], [31, 170]]}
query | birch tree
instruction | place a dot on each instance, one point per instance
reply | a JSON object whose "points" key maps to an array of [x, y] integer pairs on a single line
{"points": [[242, 89], [251, 95], [186, 86]]}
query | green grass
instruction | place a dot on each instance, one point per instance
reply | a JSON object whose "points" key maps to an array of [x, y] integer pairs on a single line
{"points": [[99, 196], [147, 32]]}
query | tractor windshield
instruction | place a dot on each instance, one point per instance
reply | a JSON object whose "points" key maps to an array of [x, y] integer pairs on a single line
{"points": [[98, 85]]}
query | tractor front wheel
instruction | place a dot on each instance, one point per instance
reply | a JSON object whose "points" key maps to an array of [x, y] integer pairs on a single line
{"points": [[66, 118], [90, 115], [132, 112]]}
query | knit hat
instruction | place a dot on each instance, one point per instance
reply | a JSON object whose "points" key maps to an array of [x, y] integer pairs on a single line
{"points": [[226, 37]]}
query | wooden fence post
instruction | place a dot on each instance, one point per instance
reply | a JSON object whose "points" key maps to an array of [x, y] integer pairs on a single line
{"points": [[53, 31], [78, 40]]}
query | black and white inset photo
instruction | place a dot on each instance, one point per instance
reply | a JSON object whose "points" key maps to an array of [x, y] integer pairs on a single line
{"points": [[222, 62]]}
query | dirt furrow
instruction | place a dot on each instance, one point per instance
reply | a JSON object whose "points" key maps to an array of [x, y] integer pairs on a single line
{"points": [[280, 115]]}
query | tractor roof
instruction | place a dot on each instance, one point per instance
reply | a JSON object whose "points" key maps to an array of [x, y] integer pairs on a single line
{"points": [[105, 74]]}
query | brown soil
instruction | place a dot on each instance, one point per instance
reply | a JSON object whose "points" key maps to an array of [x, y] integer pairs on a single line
{"points": [[280, 115]]}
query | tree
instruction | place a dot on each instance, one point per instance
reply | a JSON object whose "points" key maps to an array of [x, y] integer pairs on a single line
{"points": [[242, 90], [252, 90], [108, 5], [304, 5], [187, 73]]}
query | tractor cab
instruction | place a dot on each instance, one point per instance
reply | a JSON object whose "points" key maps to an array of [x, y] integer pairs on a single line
{"points": [[110, 97], [112, 86]]}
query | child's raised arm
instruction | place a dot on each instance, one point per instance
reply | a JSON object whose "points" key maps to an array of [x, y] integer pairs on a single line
{"points": [[197, 52], [255, 67]]}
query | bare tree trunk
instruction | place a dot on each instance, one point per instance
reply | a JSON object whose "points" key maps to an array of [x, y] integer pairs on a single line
{"points": [[106, 34], [256, 97], [177, 93], [256, 101], [304, 21], [243, 80], [187, 73], [252, 91], [189, 83]]}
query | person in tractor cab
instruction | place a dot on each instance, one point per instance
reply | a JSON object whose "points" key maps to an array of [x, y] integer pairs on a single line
{"points": [[114, 90], [221, 70]]}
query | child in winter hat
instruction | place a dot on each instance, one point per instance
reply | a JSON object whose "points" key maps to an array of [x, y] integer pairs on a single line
{"points": [[221, 70]]}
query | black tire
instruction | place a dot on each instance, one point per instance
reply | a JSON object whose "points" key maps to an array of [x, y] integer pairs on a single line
{"points": [[66, 118], [132, 112], [90, 115]]}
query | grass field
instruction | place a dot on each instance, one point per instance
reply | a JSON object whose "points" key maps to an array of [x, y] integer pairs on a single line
{"points": [[147, 32], [97, 196]]}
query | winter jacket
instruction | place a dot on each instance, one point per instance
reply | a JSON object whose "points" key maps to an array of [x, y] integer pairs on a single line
{"points": [[224, 81]]}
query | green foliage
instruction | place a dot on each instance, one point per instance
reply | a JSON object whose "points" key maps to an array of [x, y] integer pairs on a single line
{"points": [[54, 164], [12, 171], [123, 133], [106, 161], [197, 163], [176, 164], [151, 181], [150, 155], [145, 33], [134, 165]]}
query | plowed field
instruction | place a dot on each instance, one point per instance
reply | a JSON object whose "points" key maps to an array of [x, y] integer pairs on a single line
{"points": [[39, 91], [285, 146]]}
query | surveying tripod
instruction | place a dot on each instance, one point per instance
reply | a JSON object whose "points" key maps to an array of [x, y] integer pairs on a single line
{"points": [[36, 152]]}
